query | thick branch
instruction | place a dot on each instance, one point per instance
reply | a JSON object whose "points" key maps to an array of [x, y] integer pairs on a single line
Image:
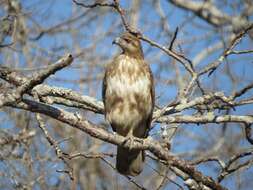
{"points": [[211, 14], [96, 131], [206, 119], [16, 94], [70, 98]]}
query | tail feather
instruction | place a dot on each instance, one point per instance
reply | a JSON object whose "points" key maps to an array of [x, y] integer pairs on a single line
{"points": [[129, 162]]}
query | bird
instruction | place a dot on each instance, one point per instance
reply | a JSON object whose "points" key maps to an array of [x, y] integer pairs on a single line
{"points": [[128, 95]]}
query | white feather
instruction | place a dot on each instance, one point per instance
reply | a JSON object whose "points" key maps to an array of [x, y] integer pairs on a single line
{"points": [[120, 85]]}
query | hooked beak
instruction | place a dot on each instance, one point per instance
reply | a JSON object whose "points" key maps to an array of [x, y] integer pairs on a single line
{"points": [[116, 40]]}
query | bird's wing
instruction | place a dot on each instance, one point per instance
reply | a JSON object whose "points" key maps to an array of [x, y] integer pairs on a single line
{"points": [[104, 88], [152, 93], [104, 85]]}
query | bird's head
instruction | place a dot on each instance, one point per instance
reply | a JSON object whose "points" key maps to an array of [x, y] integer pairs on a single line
{"points": [[130, 44]]}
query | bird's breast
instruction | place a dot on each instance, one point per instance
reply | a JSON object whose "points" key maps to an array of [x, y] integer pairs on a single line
{"points": [[128, 94]]}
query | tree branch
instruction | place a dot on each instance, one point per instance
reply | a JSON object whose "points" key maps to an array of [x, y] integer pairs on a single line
{"points": [[16, 94], [98, 132]]}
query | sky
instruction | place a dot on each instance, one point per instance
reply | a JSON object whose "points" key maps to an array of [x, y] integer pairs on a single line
{"points": [[51, 12]]}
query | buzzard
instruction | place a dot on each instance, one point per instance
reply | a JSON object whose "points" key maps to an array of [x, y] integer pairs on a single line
{"points": [[128, 96]]}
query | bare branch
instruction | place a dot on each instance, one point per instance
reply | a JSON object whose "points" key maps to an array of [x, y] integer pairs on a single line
{"points": [[94, 4], [242, 91], [98, 132], [206, 119], [211, 14], [213, 66], [38, 78]]}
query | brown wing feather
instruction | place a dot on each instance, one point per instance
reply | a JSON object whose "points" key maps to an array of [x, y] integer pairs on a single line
{"points": [[152, 92], [108, 71], [104, 85]]}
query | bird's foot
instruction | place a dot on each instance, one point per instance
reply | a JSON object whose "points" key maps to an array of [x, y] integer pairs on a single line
{"points": [[129, 140]]}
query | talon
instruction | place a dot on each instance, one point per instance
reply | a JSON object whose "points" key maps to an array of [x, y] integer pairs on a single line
{"points": [[131, 141], [140, 140]]}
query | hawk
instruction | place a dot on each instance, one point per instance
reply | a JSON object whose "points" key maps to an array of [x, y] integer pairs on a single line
{"points": [[128, 96]]}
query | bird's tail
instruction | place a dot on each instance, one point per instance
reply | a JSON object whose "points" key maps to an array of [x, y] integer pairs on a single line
{"points": [[129, 162]]}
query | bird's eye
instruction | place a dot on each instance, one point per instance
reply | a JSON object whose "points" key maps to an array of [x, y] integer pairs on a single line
{"points": [[127, 40]]}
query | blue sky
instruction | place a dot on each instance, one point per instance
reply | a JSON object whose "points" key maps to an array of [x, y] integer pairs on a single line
{"points": [[50, 13]]}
